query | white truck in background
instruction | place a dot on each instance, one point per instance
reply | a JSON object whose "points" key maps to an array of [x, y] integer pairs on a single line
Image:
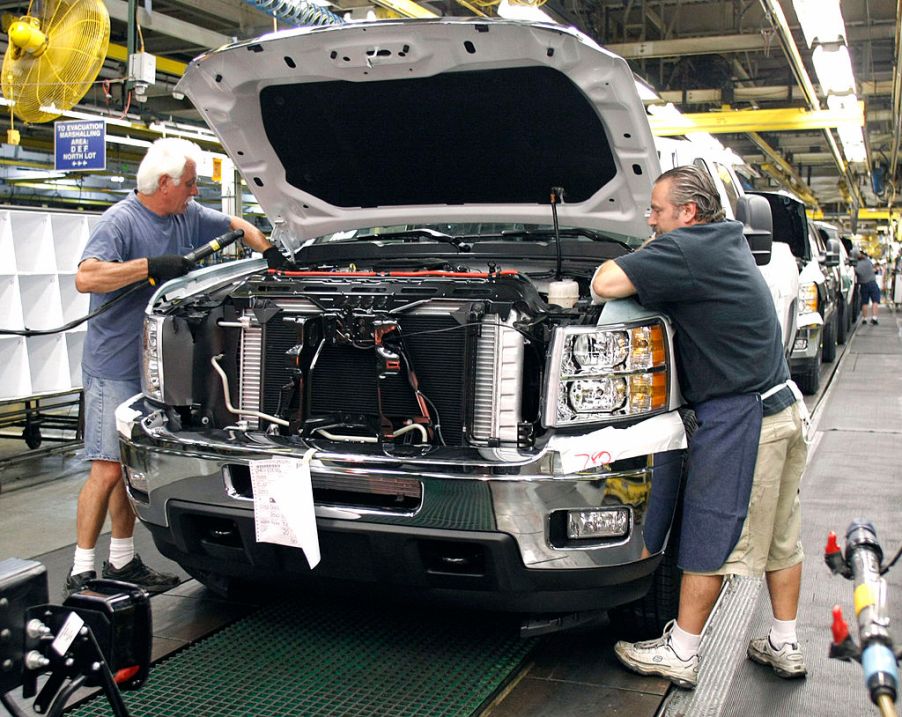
{"points": [[781, 271]]}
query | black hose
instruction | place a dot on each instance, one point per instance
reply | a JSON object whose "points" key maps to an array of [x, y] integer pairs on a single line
{"points": [[59, 704], [72, 324], [217, 244]]}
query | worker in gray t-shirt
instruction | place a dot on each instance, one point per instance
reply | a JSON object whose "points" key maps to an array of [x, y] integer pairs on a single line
{"points": [[866, 276]]}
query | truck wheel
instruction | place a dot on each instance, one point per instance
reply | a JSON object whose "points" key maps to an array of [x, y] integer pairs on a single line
{"points": [[842, 325], [809, 381], [829, 348], [647, 617]]}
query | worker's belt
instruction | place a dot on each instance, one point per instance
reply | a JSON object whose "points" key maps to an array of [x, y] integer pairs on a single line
{"points": [[777, 398]]}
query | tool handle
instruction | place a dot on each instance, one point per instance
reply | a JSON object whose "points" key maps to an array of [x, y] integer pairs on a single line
{"points": [[220, 242]]}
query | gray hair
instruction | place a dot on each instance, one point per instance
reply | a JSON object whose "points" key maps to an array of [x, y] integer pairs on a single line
{"points": [[168, 156], [692, 184]]}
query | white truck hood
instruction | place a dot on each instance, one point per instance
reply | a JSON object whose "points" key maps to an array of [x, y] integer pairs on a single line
{"points": [[428, 121]]}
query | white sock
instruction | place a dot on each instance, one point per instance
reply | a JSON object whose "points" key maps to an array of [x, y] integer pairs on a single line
{"points": [[122, 550], [684, 644], [84, 560], [781, 632]]}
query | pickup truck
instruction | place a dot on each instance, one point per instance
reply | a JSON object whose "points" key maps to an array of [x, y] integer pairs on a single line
{"points": [[430, 381]]}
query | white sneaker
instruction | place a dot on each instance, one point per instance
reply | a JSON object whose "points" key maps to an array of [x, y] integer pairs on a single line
{"points": [[788, 662], [656, 657]]}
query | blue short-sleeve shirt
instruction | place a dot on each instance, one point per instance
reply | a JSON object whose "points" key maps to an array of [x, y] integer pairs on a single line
{"points": [[129, 230]]}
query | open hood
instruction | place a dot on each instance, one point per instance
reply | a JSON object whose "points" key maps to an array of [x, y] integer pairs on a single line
{"points": [[451, 120]]}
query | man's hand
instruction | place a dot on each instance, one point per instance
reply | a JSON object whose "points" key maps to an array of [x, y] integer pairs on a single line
{"points": [[275, 259], [161, 269]]}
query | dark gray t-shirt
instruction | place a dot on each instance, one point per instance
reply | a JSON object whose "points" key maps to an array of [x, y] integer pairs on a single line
{"points": [[864, 270], [129, 230], [705, 279]]}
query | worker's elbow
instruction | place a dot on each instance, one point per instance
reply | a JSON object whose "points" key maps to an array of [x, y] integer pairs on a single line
{"points": [[81, 283]]}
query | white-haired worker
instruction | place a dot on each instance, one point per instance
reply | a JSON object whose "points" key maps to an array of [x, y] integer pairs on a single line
{"points": [[143, 236]]}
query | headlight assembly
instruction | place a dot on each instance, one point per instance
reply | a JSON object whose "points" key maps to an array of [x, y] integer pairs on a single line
{"points": [[598, 375], [152, 358]]}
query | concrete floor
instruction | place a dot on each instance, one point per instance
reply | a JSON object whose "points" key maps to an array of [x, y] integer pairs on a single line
{"points": [[855, 469]]}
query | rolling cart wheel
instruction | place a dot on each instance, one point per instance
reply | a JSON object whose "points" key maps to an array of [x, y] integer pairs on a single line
{"points": [[32, 436]]}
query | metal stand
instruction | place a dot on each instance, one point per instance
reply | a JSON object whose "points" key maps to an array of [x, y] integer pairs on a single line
{"points": [[50, 411]]}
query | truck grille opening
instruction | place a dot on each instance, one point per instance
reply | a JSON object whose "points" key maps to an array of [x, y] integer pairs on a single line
{"points": [[387, 494]]}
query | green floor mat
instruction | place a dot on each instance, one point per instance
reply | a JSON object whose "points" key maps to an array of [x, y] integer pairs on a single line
{"points": [[334, 660]]}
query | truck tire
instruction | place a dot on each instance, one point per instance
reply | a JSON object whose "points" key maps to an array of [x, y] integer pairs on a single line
{"points": [[809, 380], [842, 324], [829, 346], [647, 617]]}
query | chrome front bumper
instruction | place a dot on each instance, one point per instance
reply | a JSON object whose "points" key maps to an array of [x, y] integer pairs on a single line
{"points": [[524, 495]]}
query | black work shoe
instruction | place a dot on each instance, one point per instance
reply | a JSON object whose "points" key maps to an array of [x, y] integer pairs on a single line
{"points": [[137, 573], [873, 322], [76, 582]]}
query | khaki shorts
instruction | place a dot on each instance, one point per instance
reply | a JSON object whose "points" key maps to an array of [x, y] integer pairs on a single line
{"points": [[771, 537]]}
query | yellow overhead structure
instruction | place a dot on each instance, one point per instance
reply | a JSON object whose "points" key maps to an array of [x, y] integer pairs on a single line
{"points": [[864, 214], [780, 120], [783, 171], [406, 8]]}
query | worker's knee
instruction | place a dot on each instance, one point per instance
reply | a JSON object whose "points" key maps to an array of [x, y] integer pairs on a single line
{"points": [[105, 473]]}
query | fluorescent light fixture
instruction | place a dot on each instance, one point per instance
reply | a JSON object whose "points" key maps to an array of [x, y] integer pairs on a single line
{"points": [[193, 133], [834, 70], [846, 104], [12, 174], [53, 109], [821, 21], [646, 92], [518, 11], [128, 140], [850, 133], [852, 140]]}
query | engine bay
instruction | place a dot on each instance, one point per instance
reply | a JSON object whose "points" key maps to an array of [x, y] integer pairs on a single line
{"points": [[422, 356]]}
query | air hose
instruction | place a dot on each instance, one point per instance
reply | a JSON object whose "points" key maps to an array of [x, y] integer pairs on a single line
{"points": [[203, 252]]}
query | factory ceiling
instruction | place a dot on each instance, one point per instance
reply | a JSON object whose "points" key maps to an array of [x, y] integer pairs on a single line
{"points": [[706, 57]]}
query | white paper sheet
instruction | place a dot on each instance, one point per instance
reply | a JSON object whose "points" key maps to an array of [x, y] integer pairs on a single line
{"points": [[283, 505], [580, 453]]}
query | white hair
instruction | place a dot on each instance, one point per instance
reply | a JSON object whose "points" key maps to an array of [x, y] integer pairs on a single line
{"points": [[166, 156]]}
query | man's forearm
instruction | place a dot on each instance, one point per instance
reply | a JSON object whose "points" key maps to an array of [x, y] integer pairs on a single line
{"points": [[253, 237], [611, 282], [100, 277]]}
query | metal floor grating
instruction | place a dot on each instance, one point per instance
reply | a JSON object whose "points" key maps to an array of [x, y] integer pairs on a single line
{"points": [[334, 659]]}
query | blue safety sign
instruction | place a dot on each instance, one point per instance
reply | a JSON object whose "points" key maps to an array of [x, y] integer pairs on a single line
{"points": [[79, 145]]}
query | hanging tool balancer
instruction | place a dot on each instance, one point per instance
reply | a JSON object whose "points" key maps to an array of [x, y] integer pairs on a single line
{"points": [[862, 564]]}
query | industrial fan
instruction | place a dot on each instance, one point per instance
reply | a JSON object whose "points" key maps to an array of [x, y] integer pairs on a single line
{"points": [[54, 55]]}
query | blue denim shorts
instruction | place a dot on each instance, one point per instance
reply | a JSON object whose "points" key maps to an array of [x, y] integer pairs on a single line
{"points": [[870, 292], [102, 397]]}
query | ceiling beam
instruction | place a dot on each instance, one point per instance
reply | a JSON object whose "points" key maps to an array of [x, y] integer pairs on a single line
{"points": [[786, 93], [719, 44], [407, 8], [789, 175], [790, 119], [170, 26]]}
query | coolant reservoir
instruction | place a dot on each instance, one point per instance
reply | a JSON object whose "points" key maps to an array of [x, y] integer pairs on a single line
{"points": [[564, 293]]}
